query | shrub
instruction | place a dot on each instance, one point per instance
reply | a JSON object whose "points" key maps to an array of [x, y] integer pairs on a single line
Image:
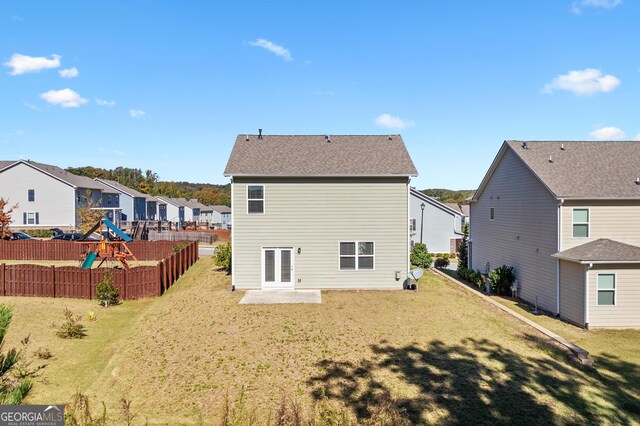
{"points": [[38, 233], [177, 247], [222, 257], [43, 353], [420, 256], [501, 279], [78, 412], [71, 328], [452, 256], [6, 312], [463, 248], [91, 316], [441, 263], [106, 292], [13, 368]]}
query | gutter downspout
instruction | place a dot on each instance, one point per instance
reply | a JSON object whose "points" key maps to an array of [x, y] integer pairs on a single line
{"points": [[558, 260], [586, 294], [233, 241]]}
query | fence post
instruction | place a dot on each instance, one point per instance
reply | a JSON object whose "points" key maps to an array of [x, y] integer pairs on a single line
{"points": [[197, 251], [53, 279], [2, 278], [124, 283], [160, 278]]}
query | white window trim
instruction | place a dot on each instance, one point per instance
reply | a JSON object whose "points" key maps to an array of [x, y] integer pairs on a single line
{"points": [[264, 197], [356, 255], [34, 218], [588, 223], [615, 288]]}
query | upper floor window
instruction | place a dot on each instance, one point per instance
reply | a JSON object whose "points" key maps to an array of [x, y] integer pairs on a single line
{"points": [[255, 199], [32, 195], [580, 223], [492, 213]]}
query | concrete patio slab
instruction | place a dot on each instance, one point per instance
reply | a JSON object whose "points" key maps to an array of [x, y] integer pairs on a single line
{"points": [[272, 297]]}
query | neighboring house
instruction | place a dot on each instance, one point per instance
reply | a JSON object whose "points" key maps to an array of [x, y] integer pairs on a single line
{"points": [[48, 196], [187, 209], [221, 217], [132, 202], [317, 212], [462, 209], [174, 210], [199, 211], [436, 225], [565, 216]]}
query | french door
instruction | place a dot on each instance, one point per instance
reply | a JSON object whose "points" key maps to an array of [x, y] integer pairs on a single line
{"points": [[277, 268]]}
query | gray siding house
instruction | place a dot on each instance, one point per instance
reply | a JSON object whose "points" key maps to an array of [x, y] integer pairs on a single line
{"points": [[320, 212], [221, 217], [434, 223], [565, 216], [48, 196], [135, 205], [174, 210]]}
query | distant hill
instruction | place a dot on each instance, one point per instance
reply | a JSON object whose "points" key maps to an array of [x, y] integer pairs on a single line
{"points": [[448, 195], [149, 183]]}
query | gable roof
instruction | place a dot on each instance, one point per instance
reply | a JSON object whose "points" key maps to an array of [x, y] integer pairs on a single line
{"points": [[602, 250], [75, 181], [222, 209], [319, 155], [578, 170], [195, 204], [172, 201], [434, 202], [126, 190]]}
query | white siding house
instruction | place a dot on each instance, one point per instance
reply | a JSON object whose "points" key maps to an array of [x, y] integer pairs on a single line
{"points": [[434, 223], [315, 212], [221, 217], [564, 215]]}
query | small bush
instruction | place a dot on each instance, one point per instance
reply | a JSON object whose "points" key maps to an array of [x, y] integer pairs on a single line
{"points": [[6, 312], [441, 263], [501, 279], [78, 412], [91, 316], [181, 245], [222, 257], [71, 327], [43, 353], [474, 277], [420, 256], [452, 256], [106, 292], [38, 233]]}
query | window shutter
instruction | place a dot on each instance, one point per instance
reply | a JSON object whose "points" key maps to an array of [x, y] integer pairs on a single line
{"points": [[37, 218], [413, 225], [24, 218]]}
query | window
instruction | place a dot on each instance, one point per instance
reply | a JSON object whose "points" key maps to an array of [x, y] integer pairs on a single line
{"points": [[255, 199], [357, 255], [606, 289], [31, 218], [32, 195], [108, 200], [492, 213], [412, 224], [580, 223]]}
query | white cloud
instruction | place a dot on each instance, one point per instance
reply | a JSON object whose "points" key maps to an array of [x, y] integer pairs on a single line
{"points": [[273, 48], [392, 122], [66, 98], [103, 102], [136, 113], [577, 6], [69, 72], [608, 134], [22, 64], [585, 82], [31, 106]]}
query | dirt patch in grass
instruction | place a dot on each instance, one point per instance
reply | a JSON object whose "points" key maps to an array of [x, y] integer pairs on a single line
{"points": [[106, 264], [441, 355]]}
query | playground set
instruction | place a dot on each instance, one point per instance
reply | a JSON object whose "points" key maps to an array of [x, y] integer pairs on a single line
{"points": [[112, 246]]}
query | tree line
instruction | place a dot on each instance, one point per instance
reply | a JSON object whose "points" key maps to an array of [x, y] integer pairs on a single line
{"points": [[148, 182]]}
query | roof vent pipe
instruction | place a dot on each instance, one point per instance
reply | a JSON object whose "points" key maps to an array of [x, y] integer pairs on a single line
{"points": [[246, 138], [328, 138], [562, 147], [524, 145], [550, 159], [259, 133], [638, 181]]}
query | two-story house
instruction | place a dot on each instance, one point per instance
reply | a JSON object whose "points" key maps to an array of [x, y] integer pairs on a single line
{"points": [[48, 196], [433, 223], [320, 211], [565, 216], [221, 217]]}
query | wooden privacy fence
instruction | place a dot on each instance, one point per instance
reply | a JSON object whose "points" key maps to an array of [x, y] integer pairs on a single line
{"points": [[75, 282], [69, 250]]}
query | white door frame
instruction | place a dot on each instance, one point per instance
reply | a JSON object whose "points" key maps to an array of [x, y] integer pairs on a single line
{"points": [[277, 284]]}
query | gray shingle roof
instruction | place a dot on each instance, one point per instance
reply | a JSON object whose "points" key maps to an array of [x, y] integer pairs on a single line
{"points": [[127, 190], [4, 164], [601, 250], [314, 155], [222, 209], [584, 169]]}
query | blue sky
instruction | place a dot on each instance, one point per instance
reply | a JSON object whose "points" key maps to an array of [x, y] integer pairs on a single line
{"points": [[167, 85]]}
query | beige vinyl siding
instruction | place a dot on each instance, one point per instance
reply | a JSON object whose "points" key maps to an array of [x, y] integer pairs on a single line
{"points": [[616, 220], [626, 312], [523, 233], [572, 292], [314, 215]]}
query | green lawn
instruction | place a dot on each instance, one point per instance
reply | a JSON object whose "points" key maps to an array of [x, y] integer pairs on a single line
{"points": [[442, 355]]}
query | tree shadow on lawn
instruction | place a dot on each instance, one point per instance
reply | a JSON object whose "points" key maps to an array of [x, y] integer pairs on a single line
{"points": [[476, 382]]}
